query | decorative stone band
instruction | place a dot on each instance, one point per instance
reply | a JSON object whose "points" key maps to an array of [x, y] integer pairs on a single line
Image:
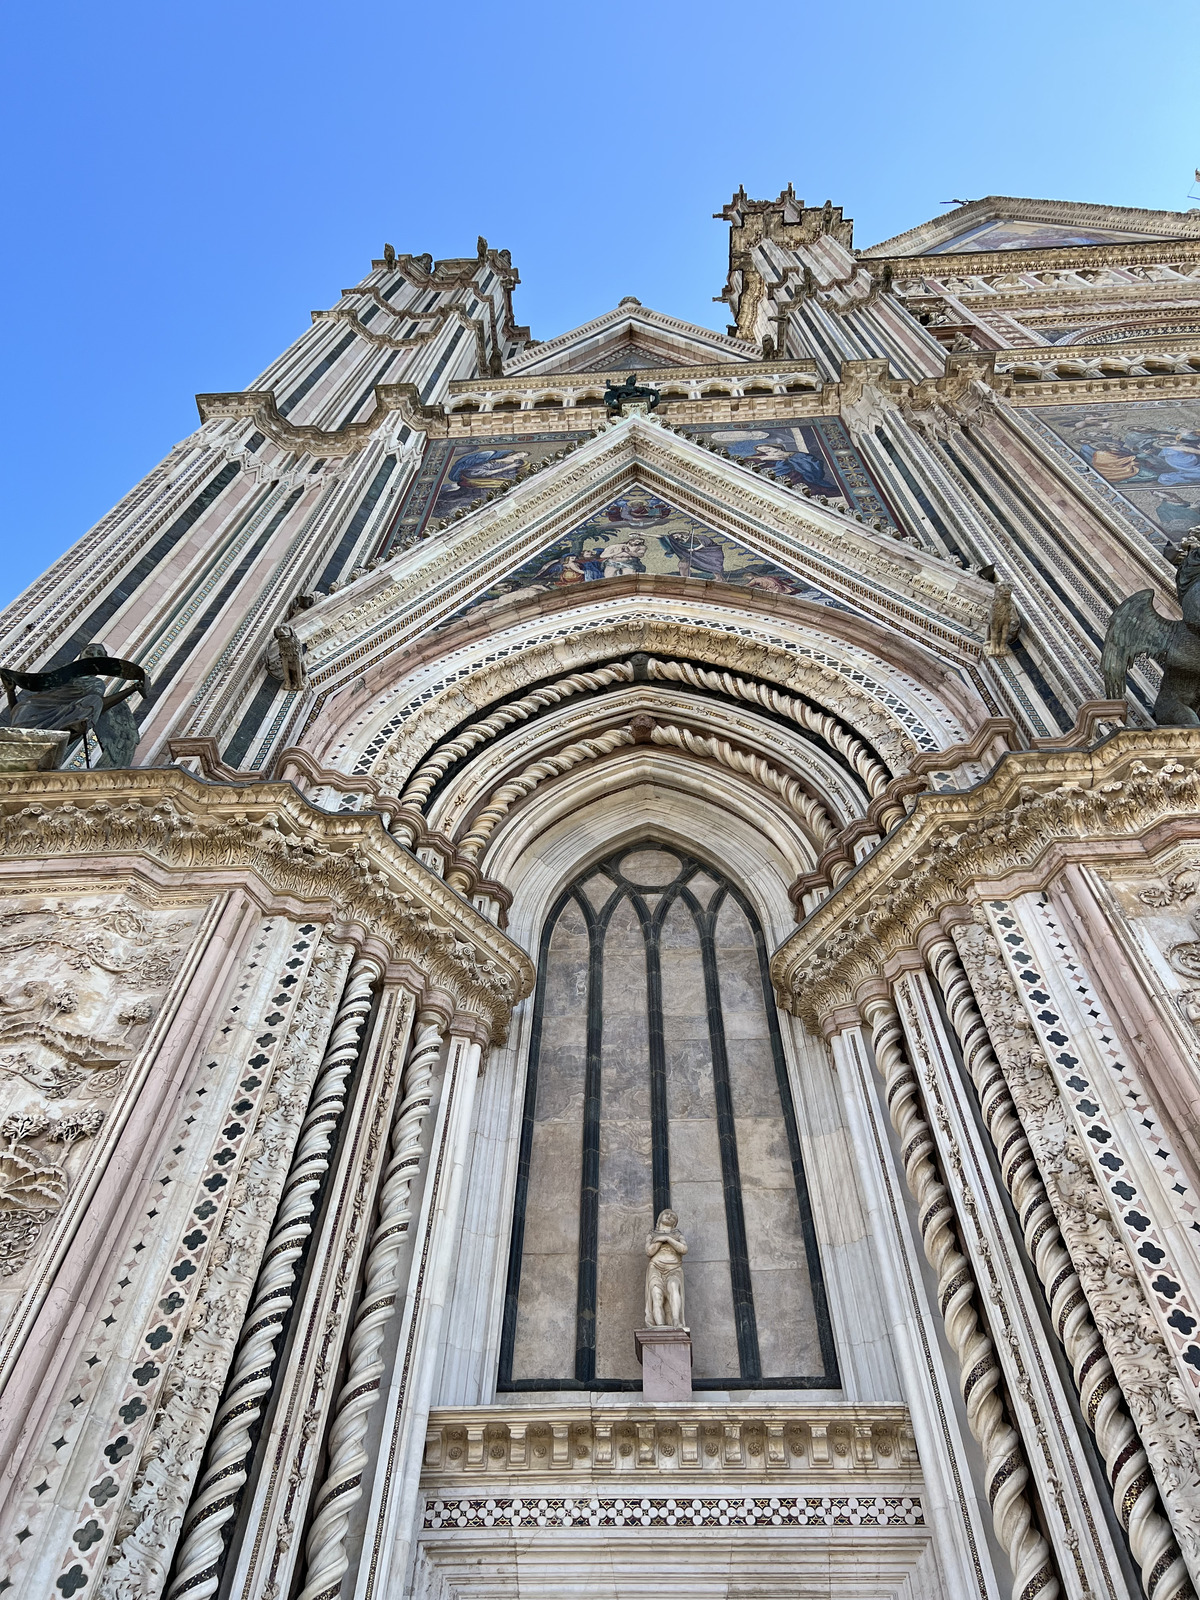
{"points": [[268, 831], [1134, 1494], [1036, 807], [215, 1500], [1141, 1361], [428, 774], [676, 1511], [825, 1442], [327, 1558], [1005, 1468]]}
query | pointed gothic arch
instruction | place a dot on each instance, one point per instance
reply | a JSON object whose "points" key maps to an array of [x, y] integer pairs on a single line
{"points": [[655, 962]]}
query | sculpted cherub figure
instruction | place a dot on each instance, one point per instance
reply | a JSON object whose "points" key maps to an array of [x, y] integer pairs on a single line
{"points": [[666, 1248]]}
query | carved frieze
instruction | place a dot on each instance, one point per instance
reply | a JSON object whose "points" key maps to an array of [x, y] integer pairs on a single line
{"points": [[580, 1444], [82, 975], [1034, 803], [348, 862]]}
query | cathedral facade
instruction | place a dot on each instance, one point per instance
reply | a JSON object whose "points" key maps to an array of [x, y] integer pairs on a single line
{"points": [[600, 947]]}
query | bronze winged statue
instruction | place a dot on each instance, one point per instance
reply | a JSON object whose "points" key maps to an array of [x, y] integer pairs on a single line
{"points": [[1137, 629], [72, 699]]}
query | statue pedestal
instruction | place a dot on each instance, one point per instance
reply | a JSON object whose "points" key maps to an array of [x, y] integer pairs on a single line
{"points": [[666, 1358], [32, 749]]}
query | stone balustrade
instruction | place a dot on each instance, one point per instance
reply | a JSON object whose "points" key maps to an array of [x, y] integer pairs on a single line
{"points": [[694, 1439]]}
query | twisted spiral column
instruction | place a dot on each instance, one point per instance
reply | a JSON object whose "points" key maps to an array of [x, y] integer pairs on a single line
{"points": [[421, 784], [227, 1460], [810, 811], [1006, 1471], [325, 1549], [1135, 1496], [525, 782], [873, 774]]}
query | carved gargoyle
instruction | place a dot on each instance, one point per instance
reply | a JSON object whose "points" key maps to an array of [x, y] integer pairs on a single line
{"points": [[1004, 623], [285, 658], [1136, 628]]}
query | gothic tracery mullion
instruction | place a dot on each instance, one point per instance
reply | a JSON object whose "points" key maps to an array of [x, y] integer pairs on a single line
{"points": [[745, 1320], [660, 1147], [589, 1179]]}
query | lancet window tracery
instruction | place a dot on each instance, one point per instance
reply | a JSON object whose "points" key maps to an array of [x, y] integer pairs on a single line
{"points": [[657, 1079]]}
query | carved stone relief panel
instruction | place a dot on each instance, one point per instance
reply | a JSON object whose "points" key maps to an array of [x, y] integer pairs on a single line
{"points": [[1162, 911], [82, 976]]}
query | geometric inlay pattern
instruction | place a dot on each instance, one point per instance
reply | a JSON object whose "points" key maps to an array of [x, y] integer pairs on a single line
{"points": [[677, 1511], [1147, 1247]]}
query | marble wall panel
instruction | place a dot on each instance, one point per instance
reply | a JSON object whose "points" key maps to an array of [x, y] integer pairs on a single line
{"points": [[544, 1345], [626, 1187], [697, 1193], [617, 982], [787, 1328]]}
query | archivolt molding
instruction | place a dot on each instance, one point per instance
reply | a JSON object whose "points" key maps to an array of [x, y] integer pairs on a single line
{"points": [[883, 704], [820, 774], [873, 774], [1035, 810], [434, 767], [807, 812], [500, 803], [639, 791], [290, 847], [811, 812]]}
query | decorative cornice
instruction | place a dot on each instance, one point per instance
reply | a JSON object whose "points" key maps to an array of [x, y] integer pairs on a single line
{"points": [[1056, 258], [739, 372], [1034, 806], [268, 830], [387, 341], [454, 271], [963, 369], [1166, 226], [259, 406]]}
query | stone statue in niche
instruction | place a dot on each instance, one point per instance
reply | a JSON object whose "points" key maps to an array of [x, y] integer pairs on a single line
{"points": [[666, 1248]]}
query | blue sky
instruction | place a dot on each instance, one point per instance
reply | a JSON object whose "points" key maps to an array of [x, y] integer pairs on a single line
{"points": [[185, 183]]}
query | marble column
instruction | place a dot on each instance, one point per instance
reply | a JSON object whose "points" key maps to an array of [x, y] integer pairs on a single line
{"points": [[1075, 1517], [385, 1556], [306, 1386], [953, 1505]]}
